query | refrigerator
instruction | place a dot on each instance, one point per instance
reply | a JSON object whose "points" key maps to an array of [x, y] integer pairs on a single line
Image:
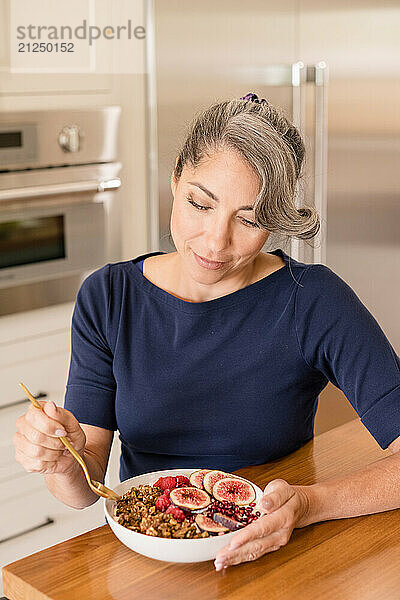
{"points": [[333, 68], [200, 53]]}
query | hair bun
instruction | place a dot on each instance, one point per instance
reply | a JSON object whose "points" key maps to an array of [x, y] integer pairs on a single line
{"points": [[311, 223], [252, 97]]}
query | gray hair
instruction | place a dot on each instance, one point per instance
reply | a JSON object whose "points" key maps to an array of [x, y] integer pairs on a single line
{"points": [[272, 145]]}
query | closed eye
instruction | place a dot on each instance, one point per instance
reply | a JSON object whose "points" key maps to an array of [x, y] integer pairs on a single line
{"points": [[249, 223], [198, 206], [201, 207]]}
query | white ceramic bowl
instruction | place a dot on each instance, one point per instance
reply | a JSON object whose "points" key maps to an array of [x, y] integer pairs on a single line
{"points": [[171, 550]]}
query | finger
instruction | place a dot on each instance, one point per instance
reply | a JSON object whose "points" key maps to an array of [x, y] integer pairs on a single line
{"points": [[35, 465], [260, 528], [37, 437], [275, 495], [65, 418], [51, 422], [254, 549], [36, 451]]}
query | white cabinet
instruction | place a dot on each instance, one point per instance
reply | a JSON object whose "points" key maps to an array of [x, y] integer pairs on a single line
{"points": [[54, 523], [42, 83], [35, 349]]}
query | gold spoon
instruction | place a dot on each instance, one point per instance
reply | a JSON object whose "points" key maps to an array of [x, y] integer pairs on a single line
{"points": [[95, 486]]}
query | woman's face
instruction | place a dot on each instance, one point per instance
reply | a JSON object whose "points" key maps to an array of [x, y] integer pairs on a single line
{"points": [[212, 217]]}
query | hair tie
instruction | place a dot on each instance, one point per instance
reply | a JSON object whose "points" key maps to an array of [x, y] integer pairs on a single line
{"points": [[252, 97]]}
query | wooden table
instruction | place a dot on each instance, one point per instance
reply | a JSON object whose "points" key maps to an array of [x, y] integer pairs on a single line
{"points": [[351, 559]]}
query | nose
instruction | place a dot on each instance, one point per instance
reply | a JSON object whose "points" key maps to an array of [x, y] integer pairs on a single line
{"points": [[218, 236]]}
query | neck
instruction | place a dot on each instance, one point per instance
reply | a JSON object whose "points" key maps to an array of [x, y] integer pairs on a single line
{"points": [[195, 291]]}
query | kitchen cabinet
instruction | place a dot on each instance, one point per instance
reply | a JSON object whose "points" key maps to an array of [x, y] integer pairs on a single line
{"points": [[33, 83], [35, 349]]}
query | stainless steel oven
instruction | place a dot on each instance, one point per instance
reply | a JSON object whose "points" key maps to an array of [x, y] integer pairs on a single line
{"points": [[59, 211]]}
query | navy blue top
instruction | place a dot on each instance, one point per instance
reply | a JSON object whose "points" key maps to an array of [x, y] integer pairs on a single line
{"points": [[229, 382]]}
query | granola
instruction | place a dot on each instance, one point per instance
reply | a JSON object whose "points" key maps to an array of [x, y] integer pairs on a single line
{"points": [[137, 511]]}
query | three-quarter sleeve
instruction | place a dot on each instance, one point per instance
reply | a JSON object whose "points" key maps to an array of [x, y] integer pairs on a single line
{"points": [[338, 336], [91, 387]]}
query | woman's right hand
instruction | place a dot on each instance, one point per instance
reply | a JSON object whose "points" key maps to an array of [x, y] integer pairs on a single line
{"points": [[37, 445]]}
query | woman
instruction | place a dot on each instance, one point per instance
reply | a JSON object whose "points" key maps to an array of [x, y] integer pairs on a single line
{"points": [[214, 355]]}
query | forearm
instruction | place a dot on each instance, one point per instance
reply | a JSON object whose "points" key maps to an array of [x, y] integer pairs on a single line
{"points": [[373, 489], [72, 488]]}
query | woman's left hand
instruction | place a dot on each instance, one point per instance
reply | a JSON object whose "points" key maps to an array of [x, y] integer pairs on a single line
{"points": [[285, 506]]}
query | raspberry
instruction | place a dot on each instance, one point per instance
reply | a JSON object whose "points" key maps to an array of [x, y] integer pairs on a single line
{"points": [[182, 480], [158, 483], [166, 497], [162, 503], [166, 482], [176, 512], [166, 493]]}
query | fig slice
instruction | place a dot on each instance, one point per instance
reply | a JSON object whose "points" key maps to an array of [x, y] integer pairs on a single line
{"points": [[196, 478], [238, 491], [189, 498], [212, 477], [207, 524], [226, 521]]}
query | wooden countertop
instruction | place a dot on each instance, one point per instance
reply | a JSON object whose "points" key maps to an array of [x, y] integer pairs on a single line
{"points": [[353, 559]]}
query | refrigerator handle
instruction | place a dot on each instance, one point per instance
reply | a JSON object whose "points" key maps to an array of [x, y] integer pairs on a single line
{"points": [[321, 156], [298, 116], [315, 250]]}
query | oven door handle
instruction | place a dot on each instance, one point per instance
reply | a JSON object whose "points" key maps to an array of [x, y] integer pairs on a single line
{"points": [[55, 189]]}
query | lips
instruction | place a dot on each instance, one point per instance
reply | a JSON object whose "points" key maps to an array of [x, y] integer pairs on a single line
{"points": [[208, 264], [212, 262]]}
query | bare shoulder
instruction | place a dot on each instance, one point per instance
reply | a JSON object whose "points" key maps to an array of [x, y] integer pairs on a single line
{"points": [[268, 263], [159, 268]]}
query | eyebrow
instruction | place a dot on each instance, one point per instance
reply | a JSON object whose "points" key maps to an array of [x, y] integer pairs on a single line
{"points": [[214, 197]]}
